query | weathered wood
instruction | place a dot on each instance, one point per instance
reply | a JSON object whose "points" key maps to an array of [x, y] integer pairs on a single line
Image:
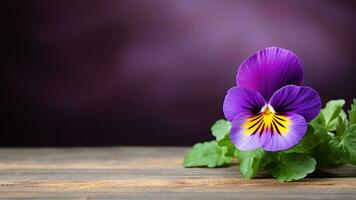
{"points": [[148, 173]]}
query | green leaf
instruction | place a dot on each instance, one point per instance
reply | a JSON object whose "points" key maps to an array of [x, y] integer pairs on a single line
{"points": [[323, 155], [341, 127], [338, 151], [309, 141], [350, 142], [220, 129], [330, 113], [226, 142], [268, 159], [293, 166], [352, 113], [249, 162], [343, 147], [320, 120], [207, 154], [321, 133], [321, 152]]}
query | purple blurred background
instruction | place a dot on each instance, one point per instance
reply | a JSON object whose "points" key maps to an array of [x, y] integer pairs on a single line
{"points": [[153, 72]]}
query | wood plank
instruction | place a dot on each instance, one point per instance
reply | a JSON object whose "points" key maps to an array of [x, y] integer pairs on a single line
{"points": [[148, 173]]}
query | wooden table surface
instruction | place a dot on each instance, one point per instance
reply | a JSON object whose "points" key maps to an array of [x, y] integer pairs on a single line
{"points": [[148, 173]]}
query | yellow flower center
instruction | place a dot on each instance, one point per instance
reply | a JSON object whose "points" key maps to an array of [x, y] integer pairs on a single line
{"points": [[267, 121]]}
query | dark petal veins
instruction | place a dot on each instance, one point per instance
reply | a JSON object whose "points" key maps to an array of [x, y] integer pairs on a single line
{"points": [[253, 125], [276, 127], [277, 141], [238, 136], [269, 69], [239, 100], [300, 100]]}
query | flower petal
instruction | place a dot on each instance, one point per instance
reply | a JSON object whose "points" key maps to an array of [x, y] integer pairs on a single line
{"points": [[270, 69], [300, 100], [241, 136], [294, 127], [238, 100]]}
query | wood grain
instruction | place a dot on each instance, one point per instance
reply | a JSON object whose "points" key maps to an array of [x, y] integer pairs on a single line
{"points": [[148, 173]]}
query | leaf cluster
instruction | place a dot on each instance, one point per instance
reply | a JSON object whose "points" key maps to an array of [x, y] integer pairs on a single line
{"points": [[330, 141]]}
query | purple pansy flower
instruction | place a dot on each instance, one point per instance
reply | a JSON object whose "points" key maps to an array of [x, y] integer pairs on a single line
{"points": [[269, 108]]}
